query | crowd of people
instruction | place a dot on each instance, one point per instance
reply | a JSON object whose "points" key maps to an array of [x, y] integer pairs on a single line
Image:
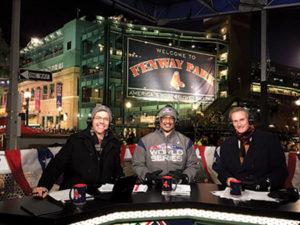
{"points": [[291, 144], [92, 156], [209, 140], [128, 137]]}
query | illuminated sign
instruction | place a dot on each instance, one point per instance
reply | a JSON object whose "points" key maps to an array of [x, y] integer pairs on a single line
{"points": [[165, 73], [147, 119]]}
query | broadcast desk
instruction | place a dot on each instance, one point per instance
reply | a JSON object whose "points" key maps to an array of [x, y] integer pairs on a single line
{"points": [[201, 207]]}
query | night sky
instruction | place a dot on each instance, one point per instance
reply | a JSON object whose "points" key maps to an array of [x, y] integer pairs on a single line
{"points": [[283, 35], [39, 18]]}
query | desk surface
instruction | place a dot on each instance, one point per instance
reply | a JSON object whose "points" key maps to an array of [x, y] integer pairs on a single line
{"points": [[200, 198]]}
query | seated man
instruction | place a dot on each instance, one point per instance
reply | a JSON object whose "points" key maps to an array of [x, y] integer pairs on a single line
{"points": [[255, 157], [91, 156], [165, 152]]}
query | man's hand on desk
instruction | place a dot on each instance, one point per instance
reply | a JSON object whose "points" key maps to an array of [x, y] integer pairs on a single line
{"points": [[153, 177], [179, 176], [40, 192], [257, 185], [228, 180]]}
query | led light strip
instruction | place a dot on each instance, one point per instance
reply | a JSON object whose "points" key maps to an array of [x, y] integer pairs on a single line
{"points": [[200, 214]]}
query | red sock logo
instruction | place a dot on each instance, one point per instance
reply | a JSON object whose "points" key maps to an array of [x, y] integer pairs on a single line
{"points": [[176, 82]]}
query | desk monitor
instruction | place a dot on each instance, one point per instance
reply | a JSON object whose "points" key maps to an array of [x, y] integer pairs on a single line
{"points": [[122, 189], [39, 207]]}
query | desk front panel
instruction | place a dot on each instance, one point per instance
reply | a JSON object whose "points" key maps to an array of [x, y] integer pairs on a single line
{"points": [[201, 205]]}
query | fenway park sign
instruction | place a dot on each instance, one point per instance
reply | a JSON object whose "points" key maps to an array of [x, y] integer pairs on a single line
{"points": [[164, 73]]}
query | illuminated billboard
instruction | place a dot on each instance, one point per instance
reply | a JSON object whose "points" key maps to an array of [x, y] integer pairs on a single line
{"points": [[165, 73]]}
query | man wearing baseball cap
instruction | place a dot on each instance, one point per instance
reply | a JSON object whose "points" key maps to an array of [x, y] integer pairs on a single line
{"points": [[91, 157], [165, 152]]}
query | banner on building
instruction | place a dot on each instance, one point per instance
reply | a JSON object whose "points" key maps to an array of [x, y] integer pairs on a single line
{"points": [[58, 95], [164, 73], [37, 99]]}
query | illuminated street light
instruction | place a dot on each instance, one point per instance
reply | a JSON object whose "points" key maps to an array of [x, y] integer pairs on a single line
{"points": [[195, 106], [65, 116], [297, 102], [128, 106], [35, 41], [27, 96]]}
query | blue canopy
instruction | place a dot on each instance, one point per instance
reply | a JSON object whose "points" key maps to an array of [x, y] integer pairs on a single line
{"points": [[161, 12]]}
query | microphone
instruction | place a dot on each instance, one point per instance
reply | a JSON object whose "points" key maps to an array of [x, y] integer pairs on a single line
{"points": [[98, 148]]}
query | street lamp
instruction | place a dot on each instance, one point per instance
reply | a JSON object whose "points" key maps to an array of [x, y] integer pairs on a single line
{"points": [[128, 106], [297, 102], [27, 96], [195, 106]]}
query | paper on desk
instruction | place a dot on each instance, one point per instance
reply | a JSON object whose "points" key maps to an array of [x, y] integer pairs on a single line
{"points": [[247, 195], [63, 195], [182, 189], [140, 188], [106, 188], [137, 188]]}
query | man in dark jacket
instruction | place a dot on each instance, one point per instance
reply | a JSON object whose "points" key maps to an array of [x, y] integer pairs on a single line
{"points": [[255, 157], [91, 156]]}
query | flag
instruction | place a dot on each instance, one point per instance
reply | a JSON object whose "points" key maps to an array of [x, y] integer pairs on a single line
{"points": [[293, 164], [27, 167]]}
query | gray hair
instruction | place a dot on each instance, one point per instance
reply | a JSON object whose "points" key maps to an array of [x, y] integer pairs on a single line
{"points": [[238, 109]]}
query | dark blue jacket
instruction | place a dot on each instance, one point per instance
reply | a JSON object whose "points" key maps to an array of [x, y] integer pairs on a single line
{"points": [[264, 159]]}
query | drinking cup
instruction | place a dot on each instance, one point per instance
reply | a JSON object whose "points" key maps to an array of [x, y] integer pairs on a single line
{"points": [[77, 194], [168, 184], [235, 188]]}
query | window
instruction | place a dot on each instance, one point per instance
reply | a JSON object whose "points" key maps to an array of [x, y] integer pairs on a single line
{"points": [[69, 45], [51, 91], [94, 95], [87, 47], [45, 92], [49, 122], [32, 94]]}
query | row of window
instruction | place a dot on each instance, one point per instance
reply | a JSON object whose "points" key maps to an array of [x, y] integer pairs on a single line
{"points": [[48, 91]]}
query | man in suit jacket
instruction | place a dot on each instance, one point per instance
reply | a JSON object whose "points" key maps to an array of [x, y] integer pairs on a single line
{"points": [[255, 157]]}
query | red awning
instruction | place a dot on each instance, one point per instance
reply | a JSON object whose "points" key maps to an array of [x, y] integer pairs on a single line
{"points": [[26, 130]]}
